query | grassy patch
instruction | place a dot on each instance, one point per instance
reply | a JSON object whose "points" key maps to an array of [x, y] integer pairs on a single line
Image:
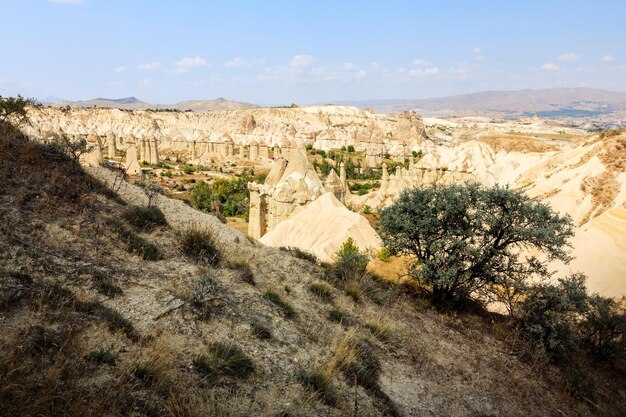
{"points": [[113, 318], [244, 271], [134, 243], [318, 382], [105, 285], [337, 315], [381, 331], [300, 254], [322, 290], [223, 359], [143, 372], [198, 245], [286, 308], [104, 356], [144, 218]]}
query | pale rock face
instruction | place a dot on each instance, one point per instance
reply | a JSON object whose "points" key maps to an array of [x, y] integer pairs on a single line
{"points": [[327, 127], [289, 185], [131, 165], [321, 227]]}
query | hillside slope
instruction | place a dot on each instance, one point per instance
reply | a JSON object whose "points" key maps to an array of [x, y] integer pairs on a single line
{"points": [[90, 328]]}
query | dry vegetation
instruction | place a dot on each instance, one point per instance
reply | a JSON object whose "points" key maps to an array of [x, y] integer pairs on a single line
{"points": [[517, 143], [218, 325]]}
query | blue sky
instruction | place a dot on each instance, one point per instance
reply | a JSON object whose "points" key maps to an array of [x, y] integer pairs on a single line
{"points": [[278, 52]]}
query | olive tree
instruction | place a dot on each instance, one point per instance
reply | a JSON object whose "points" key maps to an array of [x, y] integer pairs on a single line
{"points": [[467, 240]]}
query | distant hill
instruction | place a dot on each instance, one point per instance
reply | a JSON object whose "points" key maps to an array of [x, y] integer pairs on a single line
{"points": [[554, 102], [133, 103]]}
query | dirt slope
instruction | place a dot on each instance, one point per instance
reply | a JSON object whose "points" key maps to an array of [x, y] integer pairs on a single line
{"points": [[60, 240]]}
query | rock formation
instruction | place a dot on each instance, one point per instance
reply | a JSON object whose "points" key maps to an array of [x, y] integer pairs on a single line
{"points": [[131, 166]]}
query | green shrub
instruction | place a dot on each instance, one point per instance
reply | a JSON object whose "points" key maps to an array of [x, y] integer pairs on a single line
{"points": [[350, 148], [198, 245], [144, 218], [384, 254], [349, 261], [224, 359], [548, 317], [604, 328], [300, 254], [286, 308], [322, 290], [104, 356]]}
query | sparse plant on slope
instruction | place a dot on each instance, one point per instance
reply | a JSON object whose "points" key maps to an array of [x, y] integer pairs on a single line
{"points": [[198, 245], [468, 239], [349, 261]]}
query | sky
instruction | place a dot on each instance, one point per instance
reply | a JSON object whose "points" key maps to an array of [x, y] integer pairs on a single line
{"points": [[274, 52]]}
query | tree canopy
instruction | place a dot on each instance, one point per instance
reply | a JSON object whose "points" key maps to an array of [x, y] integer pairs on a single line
{"points": [[471, 240]]}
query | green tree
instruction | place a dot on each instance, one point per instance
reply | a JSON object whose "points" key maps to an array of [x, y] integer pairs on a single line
{"points": [[14, 108], [470, 240]]}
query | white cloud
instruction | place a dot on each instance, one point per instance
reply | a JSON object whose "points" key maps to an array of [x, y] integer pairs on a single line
{"points": [[67, 1], [550, 67], [360, 74], [607, 58], [302, 61], [27, 84], [420, 63], [121, 68], [150, 66], [462, 69], [569, 57], [424, 72], [236, 63], [349, 66], [477, 50], [187, 64]]}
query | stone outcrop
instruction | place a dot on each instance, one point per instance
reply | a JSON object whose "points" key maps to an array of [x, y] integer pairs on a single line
{"points": [[324, 127], [131, 165]]}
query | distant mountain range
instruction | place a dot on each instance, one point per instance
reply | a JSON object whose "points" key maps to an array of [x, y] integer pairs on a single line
{"points": [[553, 102], [547, 103], [132, 103]]}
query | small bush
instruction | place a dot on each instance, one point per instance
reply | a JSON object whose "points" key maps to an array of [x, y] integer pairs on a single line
{"points": [[353, 290], [261, 331], [205, 295], [286, 308], [384, 254], [104, 356], [198, 245], [300, 254], [382, 332], [319, 382], [144, 218], [349, 261], [243, 271], [337, 315], [224, 359], [604, 328], [322, 290]]}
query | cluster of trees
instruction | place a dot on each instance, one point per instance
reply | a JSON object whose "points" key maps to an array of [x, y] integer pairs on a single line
{"points": [[469, 242], [224, 197]]}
